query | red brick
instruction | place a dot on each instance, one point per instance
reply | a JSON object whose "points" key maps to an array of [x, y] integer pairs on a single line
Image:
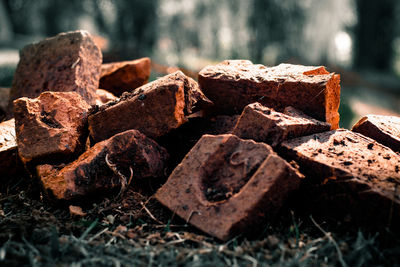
{"points": [[51, 127], [225, 185], [9, 160], [233, 84], [155, 108], [103, 97], [263, 124], [119, 77], [90, 174], [67, 62], [349, 174], [384, 129]]}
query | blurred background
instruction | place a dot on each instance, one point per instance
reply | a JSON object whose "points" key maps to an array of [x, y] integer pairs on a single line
{"points": [[360, 39]]}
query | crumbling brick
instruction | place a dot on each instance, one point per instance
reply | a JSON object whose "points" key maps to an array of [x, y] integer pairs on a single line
{"points": [[103, 97], [51, 127], [224, 184], [155, 108], [384, 129], [351, 172], [263, 124], [233, 84], [67, 62], [119, 77], [108, 165], [9, 160]]}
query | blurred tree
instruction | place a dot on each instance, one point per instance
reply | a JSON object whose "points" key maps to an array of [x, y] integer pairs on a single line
{"points": [[374, 34]]}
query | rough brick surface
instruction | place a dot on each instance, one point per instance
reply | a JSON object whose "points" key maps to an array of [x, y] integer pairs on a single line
{"points": [[105, 166], [263, 124], [352, 172], [225, 184], [233, 84], [8, 149], [51, 127], [119, 77], [155, 108], [67, 62], [103, 97], [384, 129]]}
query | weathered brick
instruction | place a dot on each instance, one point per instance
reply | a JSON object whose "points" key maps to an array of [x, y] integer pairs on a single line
{"points": [[119, 77], [105, 166], [384, 129], [103, 97], [263, 124], [155, 108], [67, 62], [51, 127], [233, 84], [348, 174], [225, 185], [9, 160]]}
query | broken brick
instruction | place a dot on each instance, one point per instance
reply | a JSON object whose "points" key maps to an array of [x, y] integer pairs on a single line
{"points": [[348, 175], [384, 129], [225, 184], [119, 77], [233, 84], [107, 165], [103, 97], [155, 108], [263, 124], [9, 160], [67, 62], [51, 127]]}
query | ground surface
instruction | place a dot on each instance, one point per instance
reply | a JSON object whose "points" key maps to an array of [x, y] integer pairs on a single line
{"points": [[135, 230]]}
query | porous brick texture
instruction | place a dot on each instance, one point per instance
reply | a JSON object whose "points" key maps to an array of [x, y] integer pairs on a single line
{"points": [[384, 129], [351, 172], [119, 77], [155, 108], [233, 84], [67, 62], [225, 184], [266, 125], [52, 127], [110, 164]]}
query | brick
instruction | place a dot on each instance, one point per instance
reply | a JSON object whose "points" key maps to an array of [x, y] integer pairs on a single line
{"points": [[119, 77], [103, 166], [52, 127], [233, 84], [384, 129], [9, 160], [154, 109], [103, 97], [66, 62], [348, 174], [263, 124], [225, 185]]}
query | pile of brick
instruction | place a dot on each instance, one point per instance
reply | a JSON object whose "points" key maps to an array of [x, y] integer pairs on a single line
{"points": [[231, 150]]}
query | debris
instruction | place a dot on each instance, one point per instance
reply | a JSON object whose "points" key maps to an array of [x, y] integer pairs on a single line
{"points": [[76, 211], [225, 184], [51, 128], [263, 124], [66, 62], [103, 97], [384, 129], [154, 109], [128, 153], [119, 77], [233, 84], [9, 160]]}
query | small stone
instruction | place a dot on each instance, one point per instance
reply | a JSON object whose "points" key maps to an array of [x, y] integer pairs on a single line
{"points": [[76, 211], [103, 97]]}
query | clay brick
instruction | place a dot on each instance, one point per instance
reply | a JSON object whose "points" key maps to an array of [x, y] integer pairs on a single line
{"points": [[103, 97], [119, 77], [51, 127], [225, 185], [155, 108], [350, 172], [9, 161], [233, 84], [384, 129], [263, 124], [67, 62], [103, 166]]}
